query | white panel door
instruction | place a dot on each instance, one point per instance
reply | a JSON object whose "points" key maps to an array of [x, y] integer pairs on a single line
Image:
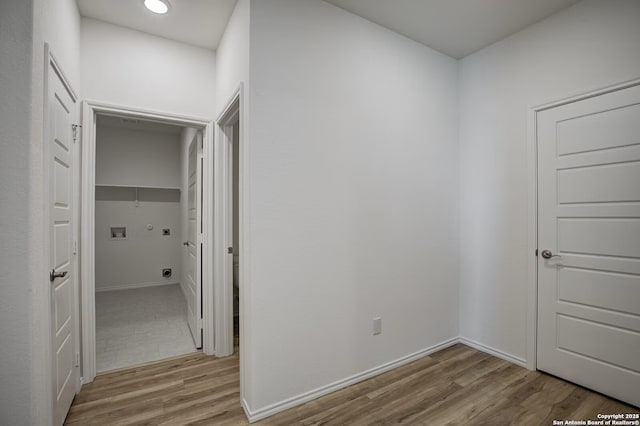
{"points": [[194, 240], [65, 368], [589, 223]]}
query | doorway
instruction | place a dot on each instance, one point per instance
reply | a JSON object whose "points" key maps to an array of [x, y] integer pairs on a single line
{"points": [[146, 193], [136, 200], [230, 258]]}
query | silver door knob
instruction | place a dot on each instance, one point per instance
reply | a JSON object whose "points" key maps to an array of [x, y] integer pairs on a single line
{"points": [[546, 254], [53, 275]]}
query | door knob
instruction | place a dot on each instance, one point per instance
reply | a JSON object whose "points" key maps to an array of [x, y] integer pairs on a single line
{"points": [[53, 275], [546, 254]]}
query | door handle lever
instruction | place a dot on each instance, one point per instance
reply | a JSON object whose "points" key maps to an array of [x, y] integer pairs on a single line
{"points": [[53, 275], [546, 254], [186, 243]]}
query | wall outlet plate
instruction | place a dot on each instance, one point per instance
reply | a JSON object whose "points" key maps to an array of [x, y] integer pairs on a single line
{"points": [[377, 326]]}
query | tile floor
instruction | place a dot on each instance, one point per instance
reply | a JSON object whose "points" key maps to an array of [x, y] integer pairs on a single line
{"points": [[141, 325]]}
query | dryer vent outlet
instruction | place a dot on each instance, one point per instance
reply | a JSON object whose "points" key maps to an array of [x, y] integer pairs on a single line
{"points": [[166, 273]]}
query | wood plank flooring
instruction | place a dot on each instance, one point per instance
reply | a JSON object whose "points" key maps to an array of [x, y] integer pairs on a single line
{"points": [[457, 385]]}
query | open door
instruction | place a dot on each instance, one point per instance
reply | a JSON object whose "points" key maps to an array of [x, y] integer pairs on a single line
{"points": [[59, 146], [194, 240]]}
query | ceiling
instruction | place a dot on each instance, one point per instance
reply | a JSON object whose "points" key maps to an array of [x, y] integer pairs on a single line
{"points": [[197, 22], [454, 27]]}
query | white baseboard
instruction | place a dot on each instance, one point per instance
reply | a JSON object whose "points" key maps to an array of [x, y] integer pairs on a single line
{"points": [[492, 351], [131, 286], [272, 409], [245, 407]]}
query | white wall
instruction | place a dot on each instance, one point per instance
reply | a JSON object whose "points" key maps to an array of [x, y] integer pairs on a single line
{"points": [[146, 158], [138, 260], [354, 198], [130, 157], [127, 67], [16, 304], [590, 45], [25, 26], [232, 69], [232, 55], [62, 32]]}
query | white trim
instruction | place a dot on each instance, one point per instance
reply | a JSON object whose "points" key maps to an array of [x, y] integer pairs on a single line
{"points": [[340, 384], [532, 206], [493, 351], [101, 289], [51, 59], [239, 96], [163, 188], [87, 245], [532, 242], [585, 94], [44, 350], [223, 285], [147, 114], [229, 112], [207, 240], [90, 110], [247, 411]]}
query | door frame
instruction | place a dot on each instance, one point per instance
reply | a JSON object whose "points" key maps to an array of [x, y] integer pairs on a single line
{"points": [[223, 281], [532, 206], [90, 109]]}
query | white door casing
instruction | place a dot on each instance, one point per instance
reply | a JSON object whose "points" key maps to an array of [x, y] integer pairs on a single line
{"points": [[589, 221], [90, 111], [223, 223], [228, 235], [60, 152], [194, 240]]}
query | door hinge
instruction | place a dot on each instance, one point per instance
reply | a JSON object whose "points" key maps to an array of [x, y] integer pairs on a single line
{"points": [[77, 359], [74, 128], [75, 247], [536, 252]]}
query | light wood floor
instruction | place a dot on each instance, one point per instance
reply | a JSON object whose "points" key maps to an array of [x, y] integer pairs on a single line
{"points": [[458, 385]]}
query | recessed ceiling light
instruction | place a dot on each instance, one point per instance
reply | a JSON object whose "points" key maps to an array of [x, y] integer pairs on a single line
{"points": [[157, 6]]}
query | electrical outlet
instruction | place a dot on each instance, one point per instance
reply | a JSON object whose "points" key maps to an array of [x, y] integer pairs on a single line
{"points": [[377, 326], [166, 273], [166, 231]]}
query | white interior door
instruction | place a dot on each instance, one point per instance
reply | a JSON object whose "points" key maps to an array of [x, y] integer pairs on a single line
{"points": [[64, 350], [194, 240], [589, 222]]}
